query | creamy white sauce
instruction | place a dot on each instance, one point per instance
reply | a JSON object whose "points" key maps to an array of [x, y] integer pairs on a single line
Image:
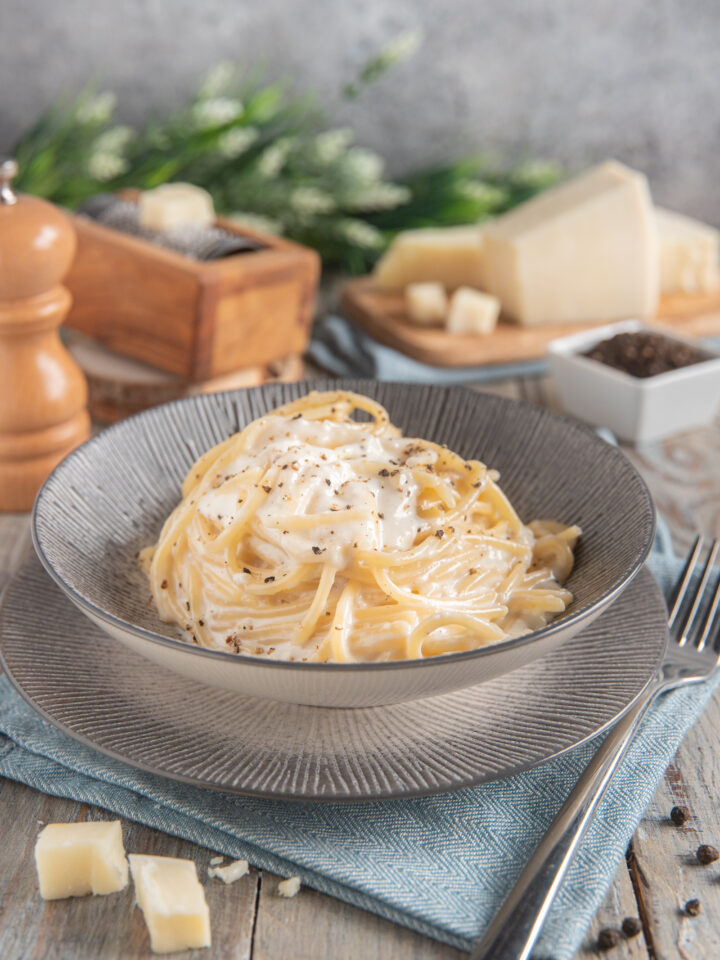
{"points": [[320, 468], [362, 493]]}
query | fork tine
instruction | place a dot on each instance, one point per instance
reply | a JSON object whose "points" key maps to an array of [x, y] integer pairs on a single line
{"points": [[684, 583], [699, 594], [711, 618]]}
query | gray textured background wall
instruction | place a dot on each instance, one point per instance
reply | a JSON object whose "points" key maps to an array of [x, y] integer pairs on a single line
{"points": [[574, 80]]}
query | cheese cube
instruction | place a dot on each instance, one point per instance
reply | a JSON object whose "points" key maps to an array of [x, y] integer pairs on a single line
{"points": [[175, 205], [173, 903], [427, 303], [583, 251], [689, 253], [75, 859], [452, 256], [472, 311]]}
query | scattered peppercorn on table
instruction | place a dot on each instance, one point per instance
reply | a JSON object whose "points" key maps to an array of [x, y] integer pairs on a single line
{"points": [[664, 900]]}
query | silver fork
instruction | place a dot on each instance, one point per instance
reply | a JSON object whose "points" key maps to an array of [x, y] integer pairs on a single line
{"points": [[691, 655]]}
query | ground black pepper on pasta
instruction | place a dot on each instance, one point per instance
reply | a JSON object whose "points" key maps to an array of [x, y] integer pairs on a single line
{"points": [[423, 559]]}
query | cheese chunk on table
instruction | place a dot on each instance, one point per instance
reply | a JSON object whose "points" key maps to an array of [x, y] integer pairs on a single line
{"points": [[427, 303], [451, 256], [230, 872], [175, 205], [583, 251], [172, 901], [289, 888], [472, 311], [689, 254], [76, 859]]}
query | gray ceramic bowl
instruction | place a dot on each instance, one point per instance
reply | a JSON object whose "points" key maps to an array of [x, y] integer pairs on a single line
{"points": [[110, 497]]}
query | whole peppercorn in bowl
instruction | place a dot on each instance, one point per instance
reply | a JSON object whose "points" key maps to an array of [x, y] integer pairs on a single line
{"points": [[642, 382]]}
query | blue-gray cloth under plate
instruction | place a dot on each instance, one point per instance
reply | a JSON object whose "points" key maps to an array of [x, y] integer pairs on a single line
{"points": [[440, 865]]}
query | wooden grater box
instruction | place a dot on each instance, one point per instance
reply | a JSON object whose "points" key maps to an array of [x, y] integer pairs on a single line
{"points": [[197, 319]]}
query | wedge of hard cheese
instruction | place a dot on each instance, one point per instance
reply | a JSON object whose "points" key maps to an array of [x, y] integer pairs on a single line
{"points": [[76, 859], [174, 205], [689, 253], [451, 256], [170, 896], [586, 250]]}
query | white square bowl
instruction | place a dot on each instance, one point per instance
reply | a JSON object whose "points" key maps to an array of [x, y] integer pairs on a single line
{"points": [[636, 409]]}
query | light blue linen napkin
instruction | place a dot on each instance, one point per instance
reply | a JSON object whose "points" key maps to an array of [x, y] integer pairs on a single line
{"points": [[441, 865], [343, 349]]}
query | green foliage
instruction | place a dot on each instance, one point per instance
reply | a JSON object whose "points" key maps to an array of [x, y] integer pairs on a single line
{"points": [[269, 161], [467, 191], [401, 48]]}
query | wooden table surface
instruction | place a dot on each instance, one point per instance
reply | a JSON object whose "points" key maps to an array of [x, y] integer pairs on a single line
{"points": [[250, 920]]}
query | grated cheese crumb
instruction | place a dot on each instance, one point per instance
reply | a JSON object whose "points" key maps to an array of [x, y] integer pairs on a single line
{"points": [[289, 888], [216, 860], [232, 872]]}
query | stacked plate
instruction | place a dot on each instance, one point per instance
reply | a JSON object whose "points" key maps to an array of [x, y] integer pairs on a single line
{"points": [[83, 645]]}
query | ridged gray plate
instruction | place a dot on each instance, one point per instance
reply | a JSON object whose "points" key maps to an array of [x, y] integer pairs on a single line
{"points": [[110, 497], [115, 700]]}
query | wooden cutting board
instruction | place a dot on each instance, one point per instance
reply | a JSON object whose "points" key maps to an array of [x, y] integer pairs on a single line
{"points": [[382, 314]]}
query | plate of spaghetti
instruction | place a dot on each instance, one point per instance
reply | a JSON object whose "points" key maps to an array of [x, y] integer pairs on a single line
{"points": [[311, 536], [344, 544]]}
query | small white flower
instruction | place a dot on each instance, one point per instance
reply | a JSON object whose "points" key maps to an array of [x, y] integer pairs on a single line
{"points": [[361, 234], [538, 171], [105, 166], [98, 109], [114, 140], [403, 46], [217, 81], [273, 158], [255, 221], [363, 165], [236, 141], [481, 192], [332, 144], [215, 112], [310, 200], [378, 196], [106, 160]]}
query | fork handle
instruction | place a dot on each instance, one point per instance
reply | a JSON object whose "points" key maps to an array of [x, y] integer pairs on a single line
{"points": [[517, 926]]}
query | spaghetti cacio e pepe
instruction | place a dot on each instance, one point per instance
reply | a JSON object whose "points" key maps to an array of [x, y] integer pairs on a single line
{"points": [[309, 535]]}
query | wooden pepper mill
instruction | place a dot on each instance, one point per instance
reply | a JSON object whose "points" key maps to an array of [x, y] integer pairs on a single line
{"points": [[43, 394]]}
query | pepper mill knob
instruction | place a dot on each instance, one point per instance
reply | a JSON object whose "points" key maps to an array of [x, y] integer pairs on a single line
{"points": [[43, 394]]}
